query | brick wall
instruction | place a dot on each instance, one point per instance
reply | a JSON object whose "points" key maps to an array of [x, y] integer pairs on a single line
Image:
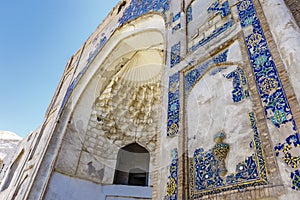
{"points": [[294, 6]]}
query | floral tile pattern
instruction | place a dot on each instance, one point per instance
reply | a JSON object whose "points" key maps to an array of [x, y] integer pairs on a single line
{"points": [[173, 105], [272, 94], [239, 82], [172, 184], [205, 170]]}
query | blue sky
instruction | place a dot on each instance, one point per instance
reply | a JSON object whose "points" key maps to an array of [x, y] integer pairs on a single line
{"points": [[37, 37]]}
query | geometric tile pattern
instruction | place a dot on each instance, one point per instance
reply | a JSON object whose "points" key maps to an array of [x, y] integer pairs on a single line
{"points": [[176, 27], [176, 17], [189, 14], [213, 35], [239, 81], [205, 172], [216, 70], [173, 105], [97, 49], [191, 78], [67, 95], [295, 176], [175, 54], [269, 86], [222, 9], [172, 184], [139, 7]]}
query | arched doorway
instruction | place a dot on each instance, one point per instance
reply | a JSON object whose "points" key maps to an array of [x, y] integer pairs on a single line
{"points": [[132, 166]]}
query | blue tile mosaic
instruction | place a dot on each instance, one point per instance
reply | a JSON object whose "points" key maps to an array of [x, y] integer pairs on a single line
{"points": [[295, 176], [269, 86], [140, 7], [246, 12], [97, 49], [207, 177], [71, 88], [214, 34], [191, 78], [172, 184], [175, 54], [285, 149], [67, 96], [176, 17], [176, 27], [173, 105], [217, 8], [189, 14], [217, 70], [239, 82]]}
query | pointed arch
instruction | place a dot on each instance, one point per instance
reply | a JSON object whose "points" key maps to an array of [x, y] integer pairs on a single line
{"points": [[132, 166]]}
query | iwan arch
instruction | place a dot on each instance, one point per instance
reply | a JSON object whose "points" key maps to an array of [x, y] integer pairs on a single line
{"points": [[172, 100]]}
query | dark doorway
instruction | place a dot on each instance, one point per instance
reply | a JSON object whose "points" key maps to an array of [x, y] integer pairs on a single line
{"points": [[132, 166], [137, 177]]}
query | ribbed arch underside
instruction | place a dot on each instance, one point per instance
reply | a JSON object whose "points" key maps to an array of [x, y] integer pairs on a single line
{"points": [[128, 106]]}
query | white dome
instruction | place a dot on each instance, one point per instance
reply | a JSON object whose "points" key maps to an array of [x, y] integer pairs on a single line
{"points": [[7, 135]]}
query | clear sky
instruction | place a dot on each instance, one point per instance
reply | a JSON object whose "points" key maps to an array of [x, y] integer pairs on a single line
{"points": [[37, 38]]}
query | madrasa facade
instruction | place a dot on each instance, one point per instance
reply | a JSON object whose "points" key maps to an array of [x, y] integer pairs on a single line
{"points": [[172, 100]]}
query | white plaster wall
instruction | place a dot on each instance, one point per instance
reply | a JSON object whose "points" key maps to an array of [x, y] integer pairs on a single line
{"points": [[200, 17], [63, 187], [210, 109], [68, 158]]}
